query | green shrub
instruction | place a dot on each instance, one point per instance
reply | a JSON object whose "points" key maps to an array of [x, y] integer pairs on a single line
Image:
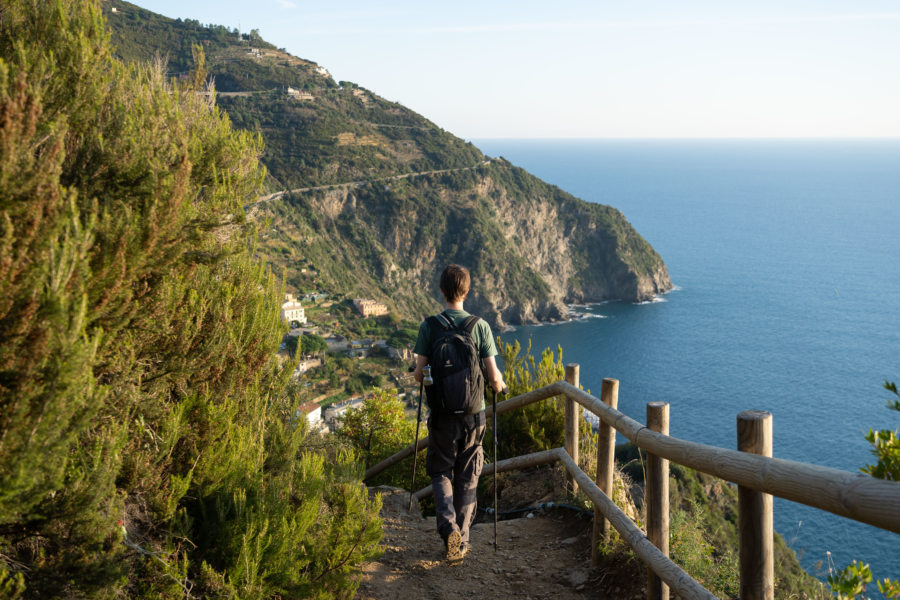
{"points": [[540, 425], [691, 548], [379, 429], [886, 444], [147, 447], [851, 582]]}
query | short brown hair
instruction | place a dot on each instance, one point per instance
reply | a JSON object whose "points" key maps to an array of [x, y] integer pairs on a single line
{"points": [[455, 282]]}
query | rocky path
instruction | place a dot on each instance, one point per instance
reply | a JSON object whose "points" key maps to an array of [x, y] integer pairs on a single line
{"points": [[543, 557]]}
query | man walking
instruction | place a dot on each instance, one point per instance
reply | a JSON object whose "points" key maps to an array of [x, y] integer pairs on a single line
{"points": [[456, 424]]}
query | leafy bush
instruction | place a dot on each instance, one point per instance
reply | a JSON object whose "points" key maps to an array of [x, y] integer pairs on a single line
{"points": [[851, 582], [378, 430], [886, 445], [540, 425], [691, 548], [313, 344]]}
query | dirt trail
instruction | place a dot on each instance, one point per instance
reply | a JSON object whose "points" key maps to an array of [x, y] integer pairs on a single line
{"points": [[544, 557]]}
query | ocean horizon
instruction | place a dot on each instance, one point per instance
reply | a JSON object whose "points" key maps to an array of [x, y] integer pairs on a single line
{"points": [[787, 299]]}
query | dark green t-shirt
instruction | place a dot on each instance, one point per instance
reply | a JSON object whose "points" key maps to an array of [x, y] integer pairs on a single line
{"points": [[481, 335]]}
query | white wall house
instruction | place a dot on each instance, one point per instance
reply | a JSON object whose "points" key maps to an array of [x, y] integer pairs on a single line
{"points": [[313, 413], [332, 414], [292, 310]]}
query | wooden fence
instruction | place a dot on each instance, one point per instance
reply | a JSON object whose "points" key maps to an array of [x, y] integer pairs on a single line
{"points": [[759, 477]]}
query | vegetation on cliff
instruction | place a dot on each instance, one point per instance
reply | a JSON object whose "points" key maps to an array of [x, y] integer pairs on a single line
{"points": [[147, 448]]}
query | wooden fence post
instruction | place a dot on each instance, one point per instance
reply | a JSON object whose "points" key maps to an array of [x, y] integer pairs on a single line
{"points": [[572, 411], [656, 498], [757, 559], [606, 458]]}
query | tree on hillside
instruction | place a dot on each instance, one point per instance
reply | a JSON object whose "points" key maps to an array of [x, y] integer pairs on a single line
{"points": [[313, 344], [147, 448], [378, 428]]}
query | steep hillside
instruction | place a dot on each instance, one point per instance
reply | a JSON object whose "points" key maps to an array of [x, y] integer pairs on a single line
{"points": [[531, 246], [381, 198]]}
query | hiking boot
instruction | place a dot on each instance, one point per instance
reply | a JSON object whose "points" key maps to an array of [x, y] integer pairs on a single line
{"points": [[454, 541], [463, 550]]}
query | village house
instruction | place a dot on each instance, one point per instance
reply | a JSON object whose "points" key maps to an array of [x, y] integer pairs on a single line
{"points": [[370, 308], [311, 328], [292, 310], [300, 95], [332, 414], [359, 348], [305, 365], [313, 413]]}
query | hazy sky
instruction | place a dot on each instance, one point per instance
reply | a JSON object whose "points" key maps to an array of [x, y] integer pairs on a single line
{"points": [[599, 69]]}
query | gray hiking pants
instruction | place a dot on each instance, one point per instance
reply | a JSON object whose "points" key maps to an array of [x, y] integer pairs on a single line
{"points": [[454, 461]]}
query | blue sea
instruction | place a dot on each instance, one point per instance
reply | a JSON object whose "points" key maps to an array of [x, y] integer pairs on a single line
{"points": [[786, 261]]}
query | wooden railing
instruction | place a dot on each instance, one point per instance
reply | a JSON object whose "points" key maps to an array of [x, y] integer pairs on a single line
{"points": [[758, 476]]}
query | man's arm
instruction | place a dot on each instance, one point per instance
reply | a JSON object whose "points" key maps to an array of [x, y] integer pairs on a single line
{"points": [[423, 343], [493, 374], [421, 361]]}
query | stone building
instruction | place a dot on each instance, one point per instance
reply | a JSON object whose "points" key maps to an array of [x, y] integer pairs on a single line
{"points": [[370, 308]]}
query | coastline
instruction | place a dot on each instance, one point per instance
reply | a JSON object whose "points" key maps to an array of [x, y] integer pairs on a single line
{"points": [[574, 314]]}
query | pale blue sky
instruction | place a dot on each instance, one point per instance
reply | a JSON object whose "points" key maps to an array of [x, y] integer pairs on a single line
{"points": [[598, 69]]}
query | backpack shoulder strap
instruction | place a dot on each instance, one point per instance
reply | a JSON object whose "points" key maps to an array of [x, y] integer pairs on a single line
{"points": [[445, 320], [437, 323], [469, 324]]}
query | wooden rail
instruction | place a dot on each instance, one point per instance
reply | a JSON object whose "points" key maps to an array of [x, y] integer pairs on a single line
{"points": [[852, 495], [758, 476]]}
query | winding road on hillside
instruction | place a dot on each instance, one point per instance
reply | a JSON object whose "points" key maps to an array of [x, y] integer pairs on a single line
{"points": [[356, 184]]}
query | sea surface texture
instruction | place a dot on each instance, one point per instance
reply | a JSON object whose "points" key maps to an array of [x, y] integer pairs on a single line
{"points": [[786, 258]]}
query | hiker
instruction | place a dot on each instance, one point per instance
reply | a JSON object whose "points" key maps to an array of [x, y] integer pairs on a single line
{"points": [[456, 423]]}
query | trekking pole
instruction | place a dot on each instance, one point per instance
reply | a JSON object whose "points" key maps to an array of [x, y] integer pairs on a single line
{"points": [[504, 392], [412, 484]]}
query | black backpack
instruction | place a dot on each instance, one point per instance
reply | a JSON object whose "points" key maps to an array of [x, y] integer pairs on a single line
{"points": [[458, 386]]}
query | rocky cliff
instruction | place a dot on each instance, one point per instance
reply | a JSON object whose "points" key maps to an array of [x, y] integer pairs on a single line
{"points": [[531, 247]]}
